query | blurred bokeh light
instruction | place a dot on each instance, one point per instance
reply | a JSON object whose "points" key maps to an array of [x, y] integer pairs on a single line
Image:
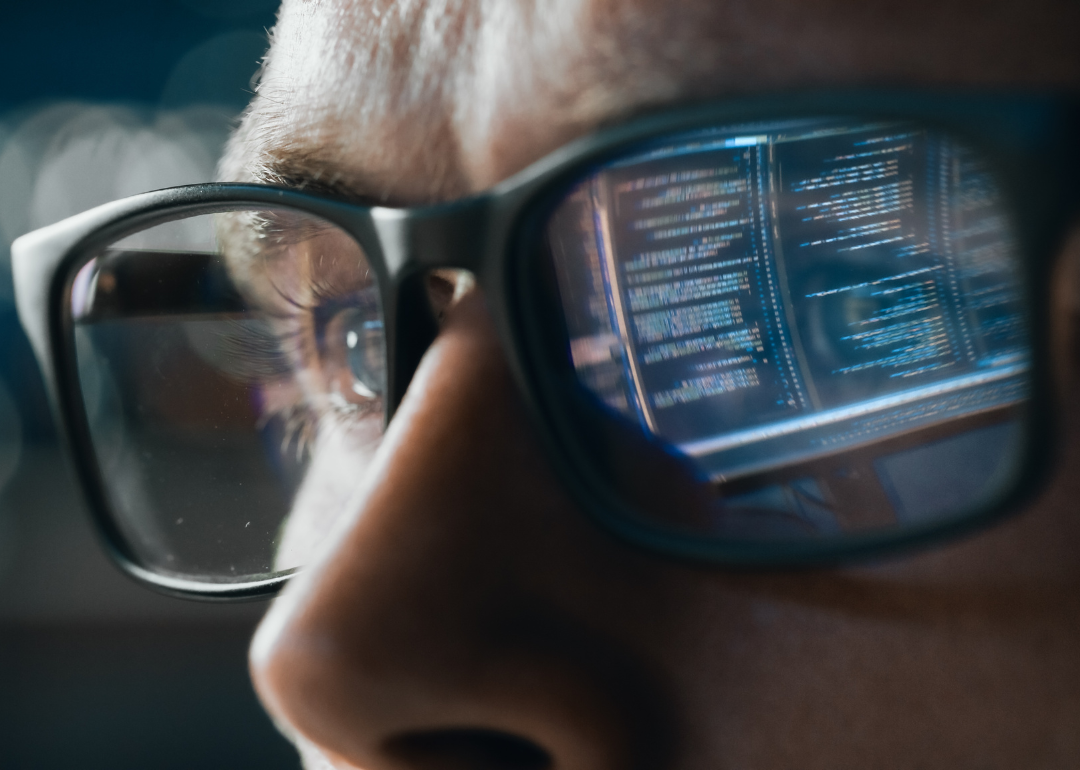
{"points": [[103, 100]]}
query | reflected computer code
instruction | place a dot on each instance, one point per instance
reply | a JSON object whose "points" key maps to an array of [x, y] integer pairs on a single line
{"points": [[762, 297]]}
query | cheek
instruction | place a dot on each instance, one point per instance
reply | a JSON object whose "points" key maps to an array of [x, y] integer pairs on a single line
{"points": [[334, 477]]}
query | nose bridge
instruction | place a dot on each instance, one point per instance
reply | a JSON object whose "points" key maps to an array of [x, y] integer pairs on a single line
{"points": [[438, 627], [450, 235]]}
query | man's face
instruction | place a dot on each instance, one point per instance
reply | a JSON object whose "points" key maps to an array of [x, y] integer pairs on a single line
{"points": [[464, 611]]}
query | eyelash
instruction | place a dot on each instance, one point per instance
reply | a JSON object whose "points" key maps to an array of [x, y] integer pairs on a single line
{"points": [[284, 348]]}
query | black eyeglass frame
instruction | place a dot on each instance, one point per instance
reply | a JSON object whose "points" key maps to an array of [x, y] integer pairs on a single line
{"points": [[1029, 139]]}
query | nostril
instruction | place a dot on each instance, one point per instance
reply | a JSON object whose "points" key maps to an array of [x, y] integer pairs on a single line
{"points": [[466, 749]]}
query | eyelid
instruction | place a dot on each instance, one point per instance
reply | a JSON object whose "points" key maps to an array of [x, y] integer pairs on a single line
{"points": [[305, 282]]}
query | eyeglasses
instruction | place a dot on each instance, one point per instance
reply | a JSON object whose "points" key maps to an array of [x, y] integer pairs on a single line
{"points": [[770, 332]]}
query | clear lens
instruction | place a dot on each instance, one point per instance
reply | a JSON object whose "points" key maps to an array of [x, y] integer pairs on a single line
{"points": [[796, 329], [218, 356]]}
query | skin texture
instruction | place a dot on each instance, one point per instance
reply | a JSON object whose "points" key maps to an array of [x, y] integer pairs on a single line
{"points": [[462, 591]]}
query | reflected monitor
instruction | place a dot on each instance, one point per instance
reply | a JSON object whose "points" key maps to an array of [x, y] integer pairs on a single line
{"points": [[773, 295]]}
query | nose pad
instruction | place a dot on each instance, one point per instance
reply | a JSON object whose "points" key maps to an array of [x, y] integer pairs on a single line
{"points": [[465, 614]]}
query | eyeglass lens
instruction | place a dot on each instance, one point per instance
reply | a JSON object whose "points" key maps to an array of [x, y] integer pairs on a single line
{"points": [[821, 324], [789, 330], [215, 354]]}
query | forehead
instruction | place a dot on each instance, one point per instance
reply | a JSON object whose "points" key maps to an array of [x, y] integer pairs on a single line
{"points": [[416, 100]]}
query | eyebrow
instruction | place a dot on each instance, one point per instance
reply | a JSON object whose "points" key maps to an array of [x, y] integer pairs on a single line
{"points": [[316, 176], [265, 151], [359, 159]]}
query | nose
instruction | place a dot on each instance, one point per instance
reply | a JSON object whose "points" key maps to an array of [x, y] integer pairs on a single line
{"points": [[466, 615]]}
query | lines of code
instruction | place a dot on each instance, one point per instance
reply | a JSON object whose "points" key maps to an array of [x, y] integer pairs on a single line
{"points": [[691, 262], [847, 275]]}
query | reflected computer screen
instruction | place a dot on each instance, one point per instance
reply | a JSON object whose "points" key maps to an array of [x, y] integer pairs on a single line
{"points": [[766, 296]]}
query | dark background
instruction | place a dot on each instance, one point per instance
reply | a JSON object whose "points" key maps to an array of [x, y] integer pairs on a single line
{"points": [[96, 672]]}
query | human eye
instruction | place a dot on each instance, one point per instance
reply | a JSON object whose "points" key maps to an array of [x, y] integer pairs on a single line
{"points": [[355, 351], [337, 352], [323, 309]]}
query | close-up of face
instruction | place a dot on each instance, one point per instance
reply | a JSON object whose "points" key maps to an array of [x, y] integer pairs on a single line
{"points": [[610, 383], [463, 612]]}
